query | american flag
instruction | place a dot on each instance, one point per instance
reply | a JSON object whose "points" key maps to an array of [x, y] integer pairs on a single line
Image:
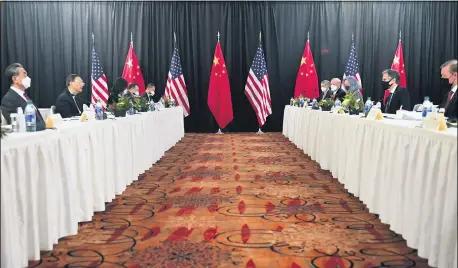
{"points": [[99, 81], [257, 87], [176, 87], [352, 68]]}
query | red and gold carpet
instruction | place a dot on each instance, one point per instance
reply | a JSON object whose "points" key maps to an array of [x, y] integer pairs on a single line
{"points": [[234, 200]]}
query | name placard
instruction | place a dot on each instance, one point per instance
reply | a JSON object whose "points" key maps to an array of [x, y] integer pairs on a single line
{"points": [[432, 121], [374, 114]]}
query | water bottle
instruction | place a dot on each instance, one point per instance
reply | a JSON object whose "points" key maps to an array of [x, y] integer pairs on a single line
{"points": [[99, 110], [367, 106], [131, 108], [20, 118], [379, 105], [151, 106], [30, 117], [337, 103], [427, 107], [291, 102]]}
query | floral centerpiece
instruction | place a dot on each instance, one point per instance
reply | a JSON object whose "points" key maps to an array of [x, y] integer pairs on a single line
{"points": [[141, 104], [120, 108], [299, 101], [326, 104], [168, 102], [352, 103]]}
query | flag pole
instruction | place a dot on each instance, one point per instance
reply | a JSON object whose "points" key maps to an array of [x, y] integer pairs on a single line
{"points": [[131, 38], [93, 38], [219, 129], [308, 36], [399, 35]]}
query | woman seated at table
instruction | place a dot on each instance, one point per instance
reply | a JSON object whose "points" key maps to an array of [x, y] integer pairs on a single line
{"points": [[119, 85], [352, 86]]}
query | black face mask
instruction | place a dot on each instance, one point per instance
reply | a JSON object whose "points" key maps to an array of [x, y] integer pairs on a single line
{"points": [[385, 84]]}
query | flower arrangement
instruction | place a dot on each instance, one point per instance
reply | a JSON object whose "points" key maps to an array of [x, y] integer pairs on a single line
{"points": [[326, 104], [168, 102], [352, 103], [299, 101], [120, 108], [141, 104]]}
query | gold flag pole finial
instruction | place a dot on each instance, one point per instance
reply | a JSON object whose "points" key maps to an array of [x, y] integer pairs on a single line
{"points": [[218, 36]]}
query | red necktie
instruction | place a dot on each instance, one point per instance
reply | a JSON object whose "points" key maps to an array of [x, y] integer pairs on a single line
{"points": [[38, 112], [449, 97]]}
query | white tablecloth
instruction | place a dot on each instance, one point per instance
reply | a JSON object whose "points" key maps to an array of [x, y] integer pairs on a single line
{"points": [[53, 179], [407, 175]]}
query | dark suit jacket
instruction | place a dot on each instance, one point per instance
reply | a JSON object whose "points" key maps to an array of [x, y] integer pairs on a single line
{"points": [[340, 94], [400, 97], [149, 97], [66, 106], [326, 95], [451, 112], [113, 98], [11, 101]]}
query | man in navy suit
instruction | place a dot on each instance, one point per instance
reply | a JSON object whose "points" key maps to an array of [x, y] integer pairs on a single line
{"points": [[399, 96], [449, 72], [17, 96]]}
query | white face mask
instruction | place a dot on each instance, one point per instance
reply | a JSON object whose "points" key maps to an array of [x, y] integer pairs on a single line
{"points": [[323, 89], [334, 88], [26, 82], [152, 93]]}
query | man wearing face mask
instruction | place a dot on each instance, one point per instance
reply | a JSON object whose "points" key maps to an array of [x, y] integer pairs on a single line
{"points": [[149, 92], [337, 91], [449, 72], [68, 104], [398, 96], [326, 92], [16, 96], [132, 91]]}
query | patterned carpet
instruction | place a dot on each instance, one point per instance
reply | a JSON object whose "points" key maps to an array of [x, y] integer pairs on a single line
{"points": [[234, 200]]}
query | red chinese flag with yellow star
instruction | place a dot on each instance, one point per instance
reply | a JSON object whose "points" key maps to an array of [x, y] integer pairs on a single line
{"points": [[132, 72], [307, 78], [219, 91], [398, 65]]}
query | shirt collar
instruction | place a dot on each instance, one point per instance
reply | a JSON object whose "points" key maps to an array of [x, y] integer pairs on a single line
{"points": [[20, 92], [454, 88], [393, 89]]}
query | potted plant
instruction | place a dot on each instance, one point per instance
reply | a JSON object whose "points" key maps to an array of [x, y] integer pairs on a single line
{"points": [[326, 104], [353, 104], [120, 108], [141, 104]]}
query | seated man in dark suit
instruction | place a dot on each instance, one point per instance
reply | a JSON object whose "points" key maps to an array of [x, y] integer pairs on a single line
{"points": [[326, 92], [449, 72], [337, 91], [398, 96], [132, 91], [68, 104], [149, 92], [16, 96]]}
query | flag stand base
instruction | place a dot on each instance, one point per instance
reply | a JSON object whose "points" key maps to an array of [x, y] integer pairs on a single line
{"points": [[259, 131], [219, 131]]}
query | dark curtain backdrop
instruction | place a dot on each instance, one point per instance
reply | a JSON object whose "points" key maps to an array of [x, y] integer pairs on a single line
{"points": [[53, 39]]}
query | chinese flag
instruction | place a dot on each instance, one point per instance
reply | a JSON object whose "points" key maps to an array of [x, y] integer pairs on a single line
{"points": [[132, 72], [219, 91], [398, 65], [307, 78]]}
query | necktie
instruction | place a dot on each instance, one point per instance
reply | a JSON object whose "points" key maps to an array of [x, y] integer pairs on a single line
{"points": [[388, 102], [449, 98], [38, 112]]}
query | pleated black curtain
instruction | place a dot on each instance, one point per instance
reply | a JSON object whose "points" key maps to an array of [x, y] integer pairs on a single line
{"points": [[53, 39]]}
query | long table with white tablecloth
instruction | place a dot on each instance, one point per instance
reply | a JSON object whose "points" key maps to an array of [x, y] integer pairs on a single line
{"points": [[405, 174], [53, 179]]}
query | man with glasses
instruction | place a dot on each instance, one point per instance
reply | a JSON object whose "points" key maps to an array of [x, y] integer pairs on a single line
{"points": [[68, 104]]}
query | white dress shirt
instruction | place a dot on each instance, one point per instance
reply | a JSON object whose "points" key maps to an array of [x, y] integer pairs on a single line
{"points": [[454, 90], [20, 92]]}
